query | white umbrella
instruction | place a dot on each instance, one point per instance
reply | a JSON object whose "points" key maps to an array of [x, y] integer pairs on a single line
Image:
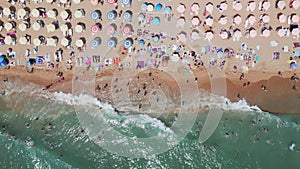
{"points": [[295, 18], [224, 6], [64, 28], [251, 6], [23, 40], [253, 33], [195, 8], [280, 32], [281, 4], [251, 20], [295, 32], [181, 8], [266, 5], [76, 1], [195, 35], [79, 43], [266, 18], [49, 1], [36, 42], [22, 27], [237, 5], [195, 21], [36, 26], [180, 22], [237, 19], [64, 1], [209, 35], [78, 14], [21, 13], [8, 26], [51, 42], [209, 7], [6, 11], [78, 28], [64, 42], [50, 28], [266, 33], [237, 34], [8, 40], [223, 20], [182, 37], [209, 21], [150, 7], [51, 14], [223, 35], [282, 18], [296, 4], [35, 13], [64, 14]]}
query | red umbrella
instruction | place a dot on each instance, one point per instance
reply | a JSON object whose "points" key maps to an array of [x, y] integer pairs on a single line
{"points": [[111, 1], [127, 29], [95, 28]]}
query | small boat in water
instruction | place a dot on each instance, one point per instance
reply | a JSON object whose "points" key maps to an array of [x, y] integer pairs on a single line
{"points": [[292, 146]]}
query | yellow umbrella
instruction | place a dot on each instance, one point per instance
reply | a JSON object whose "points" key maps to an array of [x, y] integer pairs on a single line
{"points": [[36, 42], [36, 26], [78, 29], [8, 40], [22, 27], [8, 26], [35, 13], [79, 43], [23, 40]]}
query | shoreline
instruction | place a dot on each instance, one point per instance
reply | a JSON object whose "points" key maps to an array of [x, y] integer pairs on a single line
{"points": [[277, 98]]}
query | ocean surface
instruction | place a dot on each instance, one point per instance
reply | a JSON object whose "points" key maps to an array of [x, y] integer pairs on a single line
{"points": [[42, 130]]}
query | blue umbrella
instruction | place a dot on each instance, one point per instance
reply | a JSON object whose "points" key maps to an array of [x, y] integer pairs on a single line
{"points": [[141, 42], [95, 15], [156, 38], [144, 6], [127, 15], [128, 43], [96, 42], [168, 10], [293, 65], [156, 21], [158, 7], [141, 17], [111, 15], [111, 43], [1, 58], [126, 2], [28, 64]]}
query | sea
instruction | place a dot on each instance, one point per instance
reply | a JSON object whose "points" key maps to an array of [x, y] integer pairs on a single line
{"points": [[42, 130]]}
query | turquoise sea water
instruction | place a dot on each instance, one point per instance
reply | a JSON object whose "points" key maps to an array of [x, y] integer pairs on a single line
{"points": [[38, 132]]}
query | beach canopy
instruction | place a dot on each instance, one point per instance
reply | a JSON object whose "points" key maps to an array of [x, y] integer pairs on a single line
{"points": [[95, 42], [127, 15], [64, 1], [158, 7], [22, 40], [223, 34], [128, 43], [95, 15], [112, 43], [51, 42], [126, 2], [111, 15], [182, 37], [156, 21], [181, 8]]}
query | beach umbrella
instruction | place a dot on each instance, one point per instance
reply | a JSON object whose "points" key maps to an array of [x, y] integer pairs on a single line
{"points": [[36, 42], [76, 1], [266, 5], [295, 32], [6, 11], [95, 42], [79, 43], [150, 7], [280, 32], [195, 35], [36, 26], [237, 34], [296, 4], [63, 1], [94, 2], [253, 33], [156, 38], [8, 26], [251, 19], [35, 13], [128, 43], [182, 37], [64, 14], [144, 6], [224, 5], [127, 29], [51, 14], [156, 21], [95, 28], [49, 1], [78, 28], [141, 17], [223, 34], [295, 19], [293, 65], [282, 18], [95, 15], [64, 27], [223, 20], [195, 21], [281, 4], [237, 19], [251, 6], [195, 8], [209, 35], [127, 15], [167, 10], [141, 42], [111, 1], [8, 40], [111, 29], [78, 13], [237, 5], [111, 15], [51, 42], [181, 8], [111, 43], [209, 7], [126, 2], [64, 42], [21, 13], [50, 28], [180, 22], [22, 40], [209, 21], [266, 18], [266, 33], [158, 7]]}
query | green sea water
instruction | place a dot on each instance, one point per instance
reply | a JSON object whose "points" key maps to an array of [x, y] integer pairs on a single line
{"points": [[38, 132]]}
